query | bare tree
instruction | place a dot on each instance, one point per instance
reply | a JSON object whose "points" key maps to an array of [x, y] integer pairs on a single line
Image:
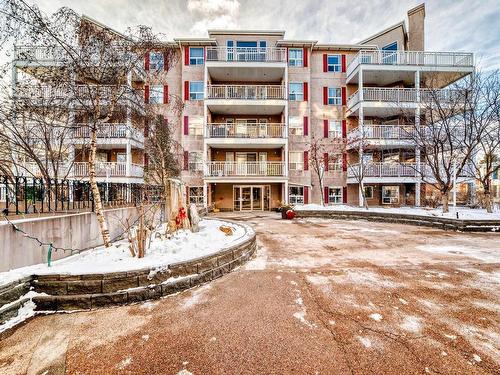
{"points": [[358, 169]]}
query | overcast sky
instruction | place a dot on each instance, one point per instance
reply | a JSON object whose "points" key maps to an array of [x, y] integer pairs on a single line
{"points": [[451, 25]]}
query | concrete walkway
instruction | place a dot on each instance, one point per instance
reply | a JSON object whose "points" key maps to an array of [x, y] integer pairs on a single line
{"points": [[321, 297]]}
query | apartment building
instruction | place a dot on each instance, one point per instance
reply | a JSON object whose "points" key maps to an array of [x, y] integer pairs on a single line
{"points": [[255, 102]]}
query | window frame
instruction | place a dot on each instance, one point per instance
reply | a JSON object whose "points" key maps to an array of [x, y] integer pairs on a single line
{"points": [[198, 199], [156, 94], [195, 165], [334, 67], [297, 165], [335, 198], [197, 60], [298, 125], [296, 60], [332, 98], [196, 95], [297, 198], [298, 97], [390, 199], [336, 133], [153, 61], [195, 126], [370, 188]]}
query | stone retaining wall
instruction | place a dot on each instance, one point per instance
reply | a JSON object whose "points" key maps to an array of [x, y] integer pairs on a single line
{"points": [[428, 221]]}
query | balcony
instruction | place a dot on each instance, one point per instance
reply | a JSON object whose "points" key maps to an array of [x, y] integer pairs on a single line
{"points": [[386, 67], [109, 134], [246, 99], [220, 169], [246, 64], [108, 169], [245, 134], [381, 136]]}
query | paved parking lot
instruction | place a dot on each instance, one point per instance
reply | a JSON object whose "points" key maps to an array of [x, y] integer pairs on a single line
{"points": [[321, 297]]}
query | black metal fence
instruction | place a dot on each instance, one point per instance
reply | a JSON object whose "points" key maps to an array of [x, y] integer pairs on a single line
{"points": [[27, 195]]}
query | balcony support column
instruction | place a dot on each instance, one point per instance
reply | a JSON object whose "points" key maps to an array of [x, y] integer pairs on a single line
{"points": [[128, 166], [285, 192], [361, 120], [205, 194], [417, 148]]}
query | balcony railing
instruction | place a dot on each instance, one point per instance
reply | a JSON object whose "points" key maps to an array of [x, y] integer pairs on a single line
{"points": [[384, 170], [109, 131], [249, 168], [418, 58], [246, 92], [108, 169], [403, 95], [251, 54], [382, 132], [39, 53], [246, 130]]}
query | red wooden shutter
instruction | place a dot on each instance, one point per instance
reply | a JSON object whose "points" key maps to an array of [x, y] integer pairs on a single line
{"points": [[306, 194], [186, 125], [146, 94], [146, 159], [186, 55], [325, 63], [325, 193], [165, 94], [306, 92], [146, 128], [186, 160], [325, 128], [186, 90], [306, 160], [325, 95], [325, 160], [343, 64], [344, 194], [344, 129], [146, 61], [344, 162], [287, 55], [165, 62], [305, 57], [344, 93], [306, 126]]}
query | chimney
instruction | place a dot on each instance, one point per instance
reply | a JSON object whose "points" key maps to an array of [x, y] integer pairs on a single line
{"points": [[416, 18]]}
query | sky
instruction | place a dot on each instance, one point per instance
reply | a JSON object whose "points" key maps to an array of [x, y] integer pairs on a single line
{"points": [[451, 25]]}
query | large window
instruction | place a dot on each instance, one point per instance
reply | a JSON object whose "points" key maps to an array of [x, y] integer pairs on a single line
{"points": [[335, 162], [196, 125], [297, 91], [195, 161], [296, 125], [335, 195], [296, 57], [296, 194], [156, 94], [156, 61], [369, 192], [196, 56], [296, 161], [334, 96], [390, 194], [334, 63], [196, 90], [196, 195], [334, 129]]}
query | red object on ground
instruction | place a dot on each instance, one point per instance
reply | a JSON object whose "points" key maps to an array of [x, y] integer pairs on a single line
{"points": [[290, 214]]}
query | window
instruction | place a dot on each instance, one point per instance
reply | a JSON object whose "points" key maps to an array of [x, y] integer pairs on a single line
{"points": [[195, 161], [297, 92], [296, 161], [335, 195], [390, 194], [295, 57], [156, 94], [389, 53], [196, 90], [334, 129], [196, 126], [196, 56], [296, 195], [334, 96], [196, 195], [296, 125], [156, 61], [334, 63], [335, 163], [369, 192]]}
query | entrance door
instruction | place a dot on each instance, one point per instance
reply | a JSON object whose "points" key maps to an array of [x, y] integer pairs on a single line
{"points": [[251, 198], [257, 198], [246, 198]]}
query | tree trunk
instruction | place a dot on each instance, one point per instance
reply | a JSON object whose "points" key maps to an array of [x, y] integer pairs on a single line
{"points": [[444, 201], [103, 225], [487, 201]]}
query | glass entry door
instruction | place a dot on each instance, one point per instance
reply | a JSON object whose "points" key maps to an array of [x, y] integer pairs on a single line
{"points": [[251, 198], [246, 198]]}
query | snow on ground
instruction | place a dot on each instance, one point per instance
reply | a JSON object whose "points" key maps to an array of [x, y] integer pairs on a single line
{"points": [[485, 255], [184, 245], [27, 310], [463, 212]]}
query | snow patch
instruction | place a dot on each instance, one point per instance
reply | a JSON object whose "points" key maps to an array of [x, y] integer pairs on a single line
{"points": [[124, 363], [412, 324], [476, 358], [365, 341], [376, 316], [145, 337], [197, 297]]}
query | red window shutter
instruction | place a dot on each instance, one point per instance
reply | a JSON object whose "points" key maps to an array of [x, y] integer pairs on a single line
{"points": [[325, 95], [146, 128], [325, 160], [146, 61], [325, 63], [306, 160], [306, 194], [344, 194], [344, 94], [165, 94], [186, 55], [325, 193], [186, 160], [344, 67], [165, 62], [287, 55], [186, 125], [146, 94], [325, 128], [344, 162], [186, 90], [306, 58], [306, 126], [306, 92], [146, 159], [344, 129], [165, 121]]}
